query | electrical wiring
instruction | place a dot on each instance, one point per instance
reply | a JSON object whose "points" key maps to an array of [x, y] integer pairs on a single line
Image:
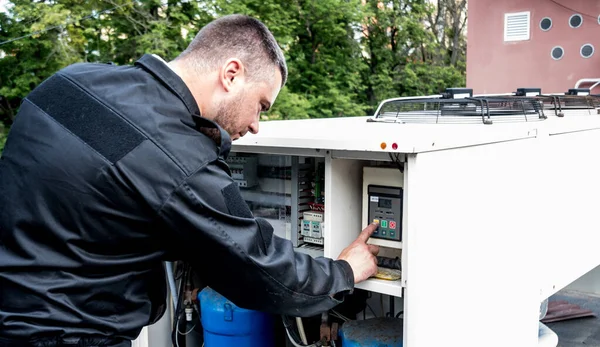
{"points": [[180, 306], [340, 316], [93, 15], [396, 160], [318, 344], [66, 23], [373, 311], [572, 9], [287, 325], [186, 333], [301, 330], [177, 328], [293, 337]]}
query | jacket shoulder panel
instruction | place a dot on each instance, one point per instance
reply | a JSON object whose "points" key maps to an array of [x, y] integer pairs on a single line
{"points": [[84, 116], [151, 107]]}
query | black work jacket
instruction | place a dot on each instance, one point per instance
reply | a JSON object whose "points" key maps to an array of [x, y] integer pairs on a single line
{"points": [[105, 175]]}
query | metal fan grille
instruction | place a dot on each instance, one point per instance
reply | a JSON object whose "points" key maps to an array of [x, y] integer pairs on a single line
{"points": [[461, 111]]}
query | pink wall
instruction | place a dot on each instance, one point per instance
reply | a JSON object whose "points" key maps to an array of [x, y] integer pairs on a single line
{"points": [[495, 66]]}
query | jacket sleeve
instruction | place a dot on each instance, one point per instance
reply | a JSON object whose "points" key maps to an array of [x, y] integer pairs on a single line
{"points": [[240, 257]]}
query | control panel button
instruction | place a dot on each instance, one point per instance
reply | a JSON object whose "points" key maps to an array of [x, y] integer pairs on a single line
{"points": [[384, 224], [392, 233], [392, 224], [376, 221], [383, 232]]}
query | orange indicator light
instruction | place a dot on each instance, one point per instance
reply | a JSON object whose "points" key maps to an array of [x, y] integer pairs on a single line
{"points": [[383, 145]]}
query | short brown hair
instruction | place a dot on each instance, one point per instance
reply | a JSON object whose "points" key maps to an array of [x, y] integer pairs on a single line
{"points": [[236, 35]]}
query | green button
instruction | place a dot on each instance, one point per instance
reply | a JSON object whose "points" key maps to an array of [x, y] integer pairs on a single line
{"points": [[384, 224], [392, 234]]}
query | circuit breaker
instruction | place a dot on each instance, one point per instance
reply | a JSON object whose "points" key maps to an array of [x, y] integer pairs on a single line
{"points": [[244, 170], [312, 227]]}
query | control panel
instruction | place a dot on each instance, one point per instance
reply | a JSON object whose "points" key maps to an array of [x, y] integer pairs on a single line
{"points": [[383, 201], [385, 208]]}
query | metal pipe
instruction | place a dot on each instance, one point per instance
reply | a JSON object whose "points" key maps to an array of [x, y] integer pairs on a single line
{"points": [[171, 279], [596, 82]]}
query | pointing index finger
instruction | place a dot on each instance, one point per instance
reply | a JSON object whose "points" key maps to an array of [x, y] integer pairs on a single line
{"points": [[367, 232]]}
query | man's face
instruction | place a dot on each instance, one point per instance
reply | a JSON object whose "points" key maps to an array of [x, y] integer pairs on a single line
{"points": [[239, 112]]}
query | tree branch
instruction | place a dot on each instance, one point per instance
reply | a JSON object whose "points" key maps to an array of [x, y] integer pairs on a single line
{"points": [[456, 31]]}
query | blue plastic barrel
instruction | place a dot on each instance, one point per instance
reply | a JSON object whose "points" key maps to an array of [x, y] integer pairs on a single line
{"points": [[376, 332], [225, 324]]}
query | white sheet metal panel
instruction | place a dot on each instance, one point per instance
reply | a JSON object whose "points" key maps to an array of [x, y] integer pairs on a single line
{"points": [[471, 247], [356, 134], [570, 219], [343, 207]]}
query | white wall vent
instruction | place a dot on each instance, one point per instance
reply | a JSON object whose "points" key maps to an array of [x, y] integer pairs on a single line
{"points": [[517, 26]]}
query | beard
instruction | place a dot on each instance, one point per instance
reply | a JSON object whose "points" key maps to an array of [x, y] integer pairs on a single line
{"points": [[227, 112]]}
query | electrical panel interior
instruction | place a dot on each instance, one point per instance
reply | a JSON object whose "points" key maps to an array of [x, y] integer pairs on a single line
{"points": [[288, 191]]}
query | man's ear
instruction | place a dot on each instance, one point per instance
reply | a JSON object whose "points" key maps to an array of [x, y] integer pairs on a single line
{"points": [[232, 74]]}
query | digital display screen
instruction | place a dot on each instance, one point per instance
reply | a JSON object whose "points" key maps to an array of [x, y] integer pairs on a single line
{"points": [[385, 203]]}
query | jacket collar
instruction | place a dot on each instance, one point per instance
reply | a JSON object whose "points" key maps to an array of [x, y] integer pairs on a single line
{"points": [[175, 84]]}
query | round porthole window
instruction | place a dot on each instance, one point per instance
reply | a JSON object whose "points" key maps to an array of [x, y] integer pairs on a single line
{"points": [[575, 21], [587, 50], [546, 24], [557, 53]]}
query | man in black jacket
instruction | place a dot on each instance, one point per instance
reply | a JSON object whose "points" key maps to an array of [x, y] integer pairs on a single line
{"points": [[110, 170]]}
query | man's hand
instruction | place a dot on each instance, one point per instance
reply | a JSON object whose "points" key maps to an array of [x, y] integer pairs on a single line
{"points": [[361, 256]]}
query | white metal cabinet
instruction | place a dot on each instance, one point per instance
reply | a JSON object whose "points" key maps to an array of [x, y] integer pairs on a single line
{"points": [[483, 207]]}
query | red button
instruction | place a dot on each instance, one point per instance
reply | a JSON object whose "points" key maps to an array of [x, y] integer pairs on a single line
{"points": [[392, 225]]}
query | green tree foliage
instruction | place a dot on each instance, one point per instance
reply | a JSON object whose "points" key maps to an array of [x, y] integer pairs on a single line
{"points": [[409, 50], [3, 134], [344, 56]]}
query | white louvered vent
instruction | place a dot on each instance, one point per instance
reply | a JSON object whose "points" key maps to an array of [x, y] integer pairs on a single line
{"points": [[516, 26]]}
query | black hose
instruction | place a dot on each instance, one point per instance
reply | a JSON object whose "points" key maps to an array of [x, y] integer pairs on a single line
{"points": [[390, 263]]}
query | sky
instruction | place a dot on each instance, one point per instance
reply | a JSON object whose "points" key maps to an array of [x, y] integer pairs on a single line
{"points": [[3, 4]]}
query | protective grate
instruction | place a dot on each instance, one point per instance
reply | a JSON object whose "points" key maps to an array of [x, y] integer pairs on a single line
{"points": [[561, 104], [469, 110], [574, 102]]}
